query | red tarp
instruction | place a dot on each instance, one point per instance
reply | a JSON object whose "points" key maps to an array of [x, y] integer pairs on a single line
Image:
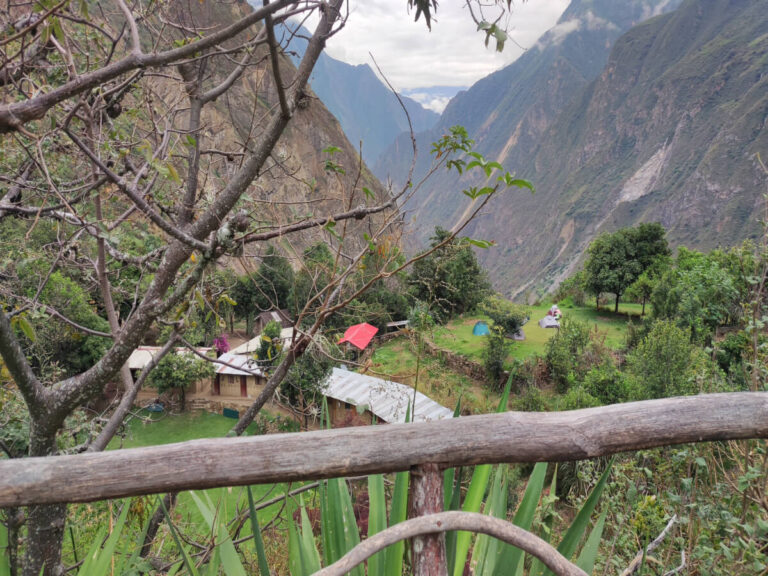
{"points": [[359, 335]]}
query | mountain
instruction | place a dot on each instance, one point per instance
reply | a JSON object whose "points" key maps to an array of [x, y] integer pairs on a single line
{"points": [[507, 111], [366, 108], [294, 184], [662, 127], [669, 132]]}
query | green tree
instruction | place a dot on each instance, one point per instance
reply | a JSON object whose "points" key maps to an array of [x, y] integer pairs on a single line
{"points": [[615, 261], [267, 289], [510, 317], [566, 353], [304, 383], [449, 279], [659, 364], [699, 294], [178, 372]]}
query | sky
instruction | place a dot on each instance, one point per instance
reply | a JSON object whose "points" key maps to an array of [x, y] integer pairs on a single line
{"points": [[452, 54]]}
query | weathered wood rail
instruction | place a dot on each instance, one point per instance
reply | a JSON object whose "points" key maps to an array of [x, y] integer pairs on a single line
{"points": [[508, 437]]}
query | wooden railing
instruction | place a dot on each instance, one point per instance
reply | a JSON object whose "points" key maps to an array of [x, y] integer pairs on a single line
{"points": [[487, 439]]}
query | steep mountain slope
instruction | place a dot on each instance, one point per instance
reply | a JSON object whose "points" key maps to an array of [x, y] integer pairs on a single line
{"points": [[669, 133], [507, 111], [294, 184], [367, 110]]}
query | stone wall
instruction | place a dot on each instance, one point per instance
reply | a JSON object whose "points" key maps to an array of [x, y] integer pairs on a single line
{"points": [[456, 362]]}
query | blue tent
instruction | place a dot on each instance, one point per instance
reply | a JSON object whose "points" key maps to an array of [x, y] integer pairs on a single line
{"points": [[480, 329]]}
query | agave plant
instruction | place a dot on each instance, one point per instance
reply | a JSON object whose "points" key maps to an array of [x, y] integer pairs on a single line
{"points": [[491, 557]]}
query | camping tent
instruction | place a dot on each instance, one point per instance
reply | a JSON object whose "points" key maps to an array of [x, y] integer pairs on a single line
{"points": [[480, 329], [549, 322]]}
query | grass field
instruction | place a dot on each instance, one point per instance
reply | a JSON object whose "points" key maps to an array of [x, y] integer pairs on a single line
{"points": [[396, 359], [153, 429], [457, 334]]}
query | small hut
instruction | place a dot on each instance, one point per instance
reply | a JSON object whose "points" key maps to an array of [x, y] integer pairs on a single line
{"points": [[388, 401], [238, 376]]}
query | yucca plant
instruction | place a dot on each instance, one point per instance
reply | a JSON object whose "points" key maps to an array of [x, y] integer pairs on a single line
{"points": [[491, 557], [5, 566]]}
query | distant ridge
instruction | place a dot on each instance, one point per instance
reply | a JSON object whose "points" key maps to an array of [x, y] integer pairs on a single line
{"points": [[366, 108]]}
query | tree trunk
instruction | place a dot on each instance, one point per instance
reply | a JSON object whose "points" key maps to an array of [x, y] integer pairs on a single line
{"points": [[428, 552], [616, 308], [154, 524], [597, 302], [249, 325], [643, 311], [45, 524]]}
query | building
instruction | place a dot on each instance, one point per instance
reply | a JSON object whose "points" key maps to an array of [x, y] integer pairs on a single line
{"points": [[385, 400], [280, 316], [142, 356], [239, 376], [253, 345]]}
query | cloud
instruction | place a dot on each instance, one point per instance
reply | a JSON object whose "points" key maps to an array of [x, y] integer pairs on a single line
{"points": [[430, 101], [452, 54], [560, 32]]}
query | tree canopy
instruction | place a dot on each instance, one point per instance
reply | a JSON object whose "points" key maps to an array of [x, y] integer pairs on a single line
{"points": [[616, 260], [449, 279]]}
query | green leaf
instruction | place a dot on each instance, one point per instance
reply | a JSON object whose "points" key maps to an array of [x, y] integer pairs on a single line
{"points": [[309, 549], [579, 525], [5, 566], [182, 550], [377, 520], [398, 513], [230, 560], [586, 560], [58, 31], [26, 327], [258, 543], [485, 554], [481, 243], [368, 193], [511, 557]]}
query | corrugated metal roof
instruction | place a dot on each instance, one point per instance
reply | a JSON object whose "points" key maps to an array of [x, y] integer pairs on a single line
{"points": [[387, 400], [250, 347], [248, 366], [140, 357]]}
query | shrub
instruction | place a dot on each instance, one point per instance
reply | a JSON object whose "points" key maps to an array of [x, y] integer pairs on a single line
{"points": [[494, 354], [576, 398], [606, 383], [530, 400], [510, 317], [565, 352], [660, 363]]}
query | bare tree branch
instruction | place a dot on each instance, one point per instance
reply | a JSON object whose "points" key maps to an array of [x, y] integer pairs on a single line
{"points": [[445, 522]]}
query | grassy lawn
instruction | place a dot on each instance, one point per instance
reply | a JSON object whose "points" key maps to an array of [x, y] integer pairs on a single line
{"points": [[396, 360], [457, 334], [155, 429]]}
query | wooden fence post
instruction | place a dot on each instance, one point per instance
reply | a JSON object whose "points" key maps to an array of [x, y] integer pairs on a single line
{"points": [[428, 552]]}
